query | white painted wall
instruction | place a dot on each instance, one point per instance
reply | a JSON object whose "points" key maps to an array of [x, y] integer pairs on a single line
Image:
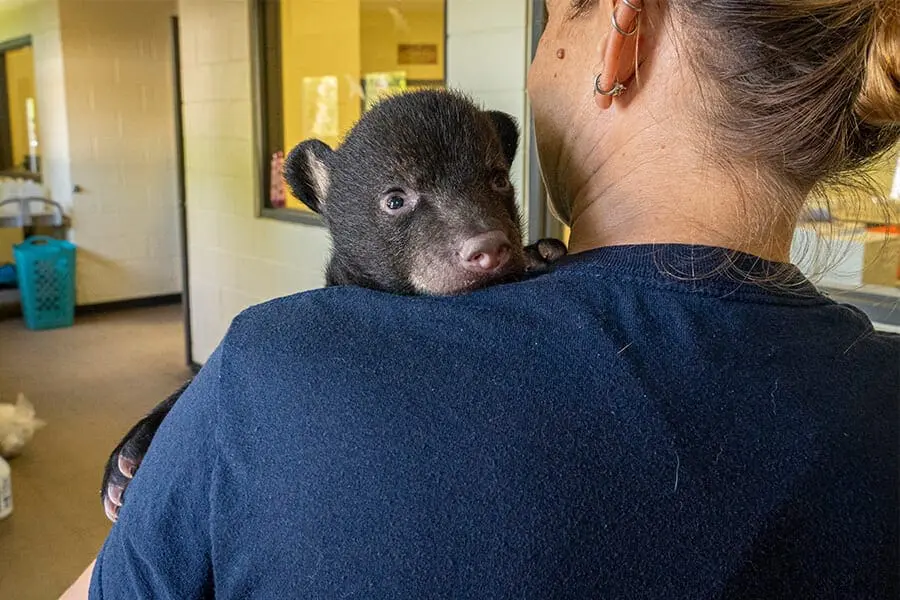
{"points": [[103, 78], [237, 259], [121, 120], [487, 56]]}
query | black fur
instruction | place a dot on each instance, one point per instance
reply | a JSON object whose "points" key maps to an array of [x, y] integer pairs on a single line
{"points": [[298, 175], [134, 445], [437, 150], [508, 132], [435, 145]]}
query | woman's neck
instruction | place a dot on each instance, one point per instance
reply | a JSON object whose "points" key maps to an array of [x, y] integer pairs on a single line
{"points": [[677, 198]]}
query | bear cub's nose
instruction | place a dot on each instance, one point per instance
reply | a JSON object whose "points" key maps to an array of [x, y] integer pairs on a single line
{"points": [[486, 252]]}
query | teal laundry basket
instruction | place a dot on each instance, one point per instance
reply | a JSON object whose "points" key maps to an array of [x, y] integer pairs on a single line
{"points": [[46, 269]]}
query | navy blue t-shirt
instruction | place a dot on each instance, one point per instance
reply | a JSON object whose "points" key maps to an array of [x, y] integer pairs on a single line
{"points": [[636, 424]]}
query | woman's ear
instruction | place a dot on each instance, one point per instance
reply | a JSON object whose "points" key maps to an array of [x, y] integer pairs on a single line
{"points": [[622, 19], [308, 174]]}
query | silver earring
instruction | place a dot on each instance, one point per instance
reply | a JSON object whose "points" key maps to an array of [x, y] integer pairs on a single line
{"points": [[615, 25], [616, 90]]}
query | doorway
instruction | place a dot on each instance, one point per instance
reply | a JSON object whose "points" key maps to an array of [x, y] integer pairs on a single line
{"points": [[19, 158], [18, 115]]}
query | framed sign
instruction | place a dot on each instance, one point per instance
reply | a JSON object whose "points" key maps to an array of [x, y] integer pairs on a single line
{"points": [[417, 54]]}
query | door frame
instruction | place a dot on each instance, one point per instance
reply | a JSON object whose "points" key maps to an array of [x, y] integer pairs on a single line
{"points": [[177, 103], [541, 222]]}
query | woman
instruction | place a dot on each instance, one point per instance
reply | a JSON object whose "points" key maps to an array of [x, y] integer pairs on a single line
{"points": [[673, 413]]}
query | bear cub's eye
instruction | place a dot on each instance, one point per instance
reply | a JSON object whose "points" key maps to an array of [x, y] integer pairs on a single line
{"points": [[500, 181], [398, 202]]}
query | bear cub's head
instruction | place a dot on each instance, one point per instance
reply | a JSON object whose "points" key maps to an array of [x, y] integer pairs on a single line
{"points": [[418, 198]]}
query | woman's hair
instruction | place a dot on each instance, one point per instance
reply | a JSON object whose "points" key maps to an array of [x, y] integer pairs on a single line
{"points": [[803, 93], [807, 90]]}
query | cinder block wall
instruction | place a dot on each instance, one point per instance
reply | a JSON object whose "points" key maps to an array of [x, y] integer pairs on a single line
{"points": [[120, 111], [103, 79], [235, 258], [487, 56], [40, 20]]}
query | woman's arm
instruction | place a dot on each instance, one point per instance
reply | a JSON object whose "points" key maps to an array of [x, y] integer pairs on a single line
{"points": [[79, 589]]}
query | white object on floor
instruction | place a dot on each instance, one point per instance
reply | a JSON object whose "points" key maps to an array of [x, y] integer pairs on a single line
{"points": [[17, 426], [6, 503]]}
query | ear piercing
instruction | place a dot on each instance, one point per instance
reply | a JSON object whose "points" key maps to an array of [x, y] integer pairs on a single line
{"points": [[616, 26], [630, 4], [616, 90]]}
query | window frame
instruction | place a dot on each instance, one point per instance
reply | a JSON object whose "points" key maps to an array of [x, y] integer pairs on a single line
{"points": [[260, 104]]}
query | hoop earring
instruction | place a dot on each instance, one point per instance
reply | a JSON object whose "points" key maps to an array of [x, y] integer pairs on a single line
{"points": [[616, 90], [616, 26]]}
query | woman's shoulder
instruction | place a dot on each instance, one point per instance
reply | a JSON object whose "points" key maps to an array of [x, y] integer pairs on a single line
{"points": [[353, 312]]}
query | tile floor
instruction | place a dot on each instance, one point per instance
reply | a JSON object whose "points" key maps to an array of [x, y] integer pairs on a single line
{"points": [[90, 383]]}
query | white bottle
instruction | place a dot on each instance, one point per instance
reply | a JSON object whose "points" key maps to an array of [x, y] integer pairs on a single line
{"points": [[6, 503]]}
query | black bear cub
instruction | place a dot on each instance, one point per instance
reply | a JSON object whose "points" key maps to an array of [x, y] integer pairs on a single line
{"points": [[417, 200]]}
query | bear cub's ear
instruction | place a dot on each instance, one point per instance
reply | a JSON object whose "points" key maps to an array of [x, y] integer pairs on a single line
{"points": [[508, 130], [307, 172]]}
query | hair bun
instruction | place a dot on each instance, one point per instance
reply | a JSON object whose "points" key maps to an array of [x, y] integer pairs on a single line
{"points": [[879, 101]]}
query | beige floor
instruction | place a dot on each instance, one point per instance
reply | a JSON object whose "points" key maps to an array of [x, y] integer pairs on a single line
{"points": [[90, 383]]}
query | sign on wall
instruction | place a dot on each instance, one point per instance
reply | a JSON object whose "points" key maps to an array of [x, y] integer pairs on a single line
{"points": [[417, 54]]}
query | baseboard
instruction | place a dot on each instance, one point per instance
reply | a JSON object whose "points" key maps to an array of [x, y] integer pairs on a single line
{"points": [[146, 302], [10, 307]]}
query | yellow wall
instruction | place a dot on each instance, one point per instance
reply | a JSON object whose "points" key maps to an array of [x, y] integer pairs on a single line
{"points": [[318, 39], [20, 82], [40, 20], [854, 203], [883, 173], [20, 85], [384, 29]]}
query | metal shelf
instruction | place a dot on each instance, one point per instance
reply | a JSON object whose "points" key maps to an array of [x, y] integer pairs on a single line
{"points": [[26, 218], [880, 303]]}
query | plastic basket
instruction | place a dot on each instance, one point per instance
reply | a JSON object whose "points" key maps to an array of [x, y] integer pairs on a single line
{"points": [[46, 269]]}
